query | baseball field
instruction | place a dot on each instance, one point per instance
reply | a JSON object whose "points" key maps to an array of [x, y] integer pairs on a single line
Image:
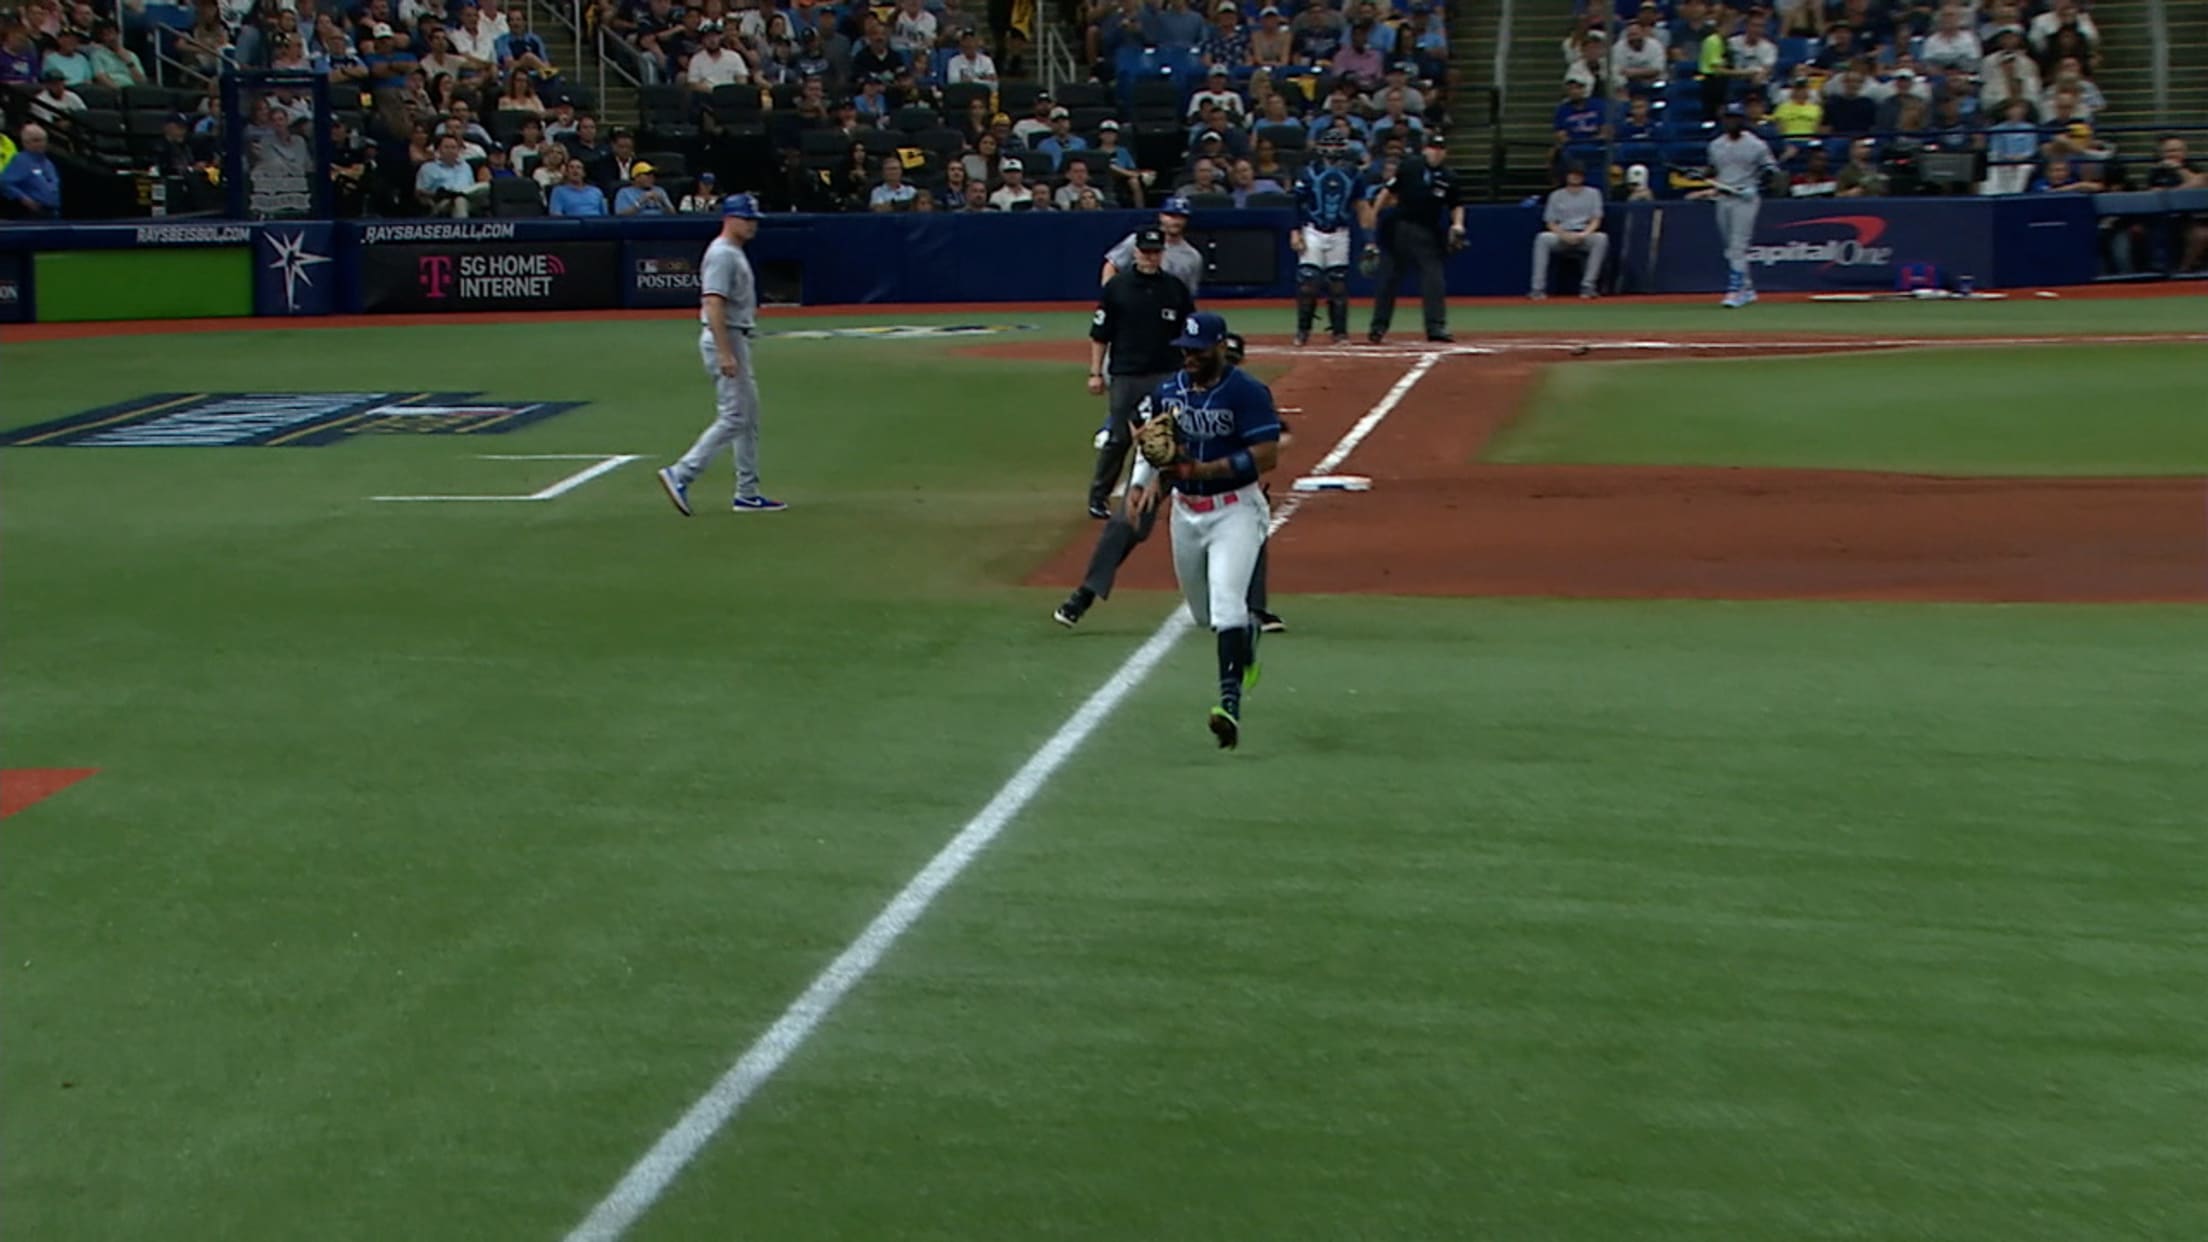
{"points": [[1734, 776]]}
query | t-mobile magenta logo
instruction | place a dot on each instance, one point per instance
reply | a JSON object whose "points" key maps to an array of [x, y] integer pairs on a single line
{"points": [[434, 272]]}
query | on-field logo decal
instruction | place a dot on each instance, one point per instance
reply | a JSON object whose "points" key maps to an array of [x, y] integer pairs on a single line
{"points": [[1855, 251], [281, 419], [899, 331]]}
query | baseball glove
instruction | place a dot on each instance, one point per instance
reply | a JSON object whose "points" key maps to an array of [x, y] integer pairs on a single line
{"points": [[1369, 261], [1159, 440]]}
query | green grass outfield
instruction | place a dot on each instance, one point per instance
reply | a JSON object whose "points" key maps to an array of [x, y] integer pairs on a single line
{"points": [[440, 856], [2073, 410]]}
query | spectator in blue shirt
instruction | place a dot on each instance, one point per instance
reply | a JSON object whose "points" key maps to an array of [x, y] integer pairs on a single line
{"points": [[446, 185], [18, 56], [1578, 118], [30, 186], [642, 196], [1174, 27], [69, 57], [576, 196], [1061, 141], [1337, 116], [894, 193]]}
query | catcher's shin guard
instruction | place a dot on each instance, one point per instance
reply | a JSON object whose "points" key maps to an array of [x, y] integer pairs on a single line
{"points": [[1307, 300], [1337, 303]]}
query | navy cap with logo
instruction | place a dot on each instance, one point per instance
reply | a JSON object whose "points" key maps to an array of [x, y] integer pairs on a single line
{"points": [[1150, 239], [1435, 138], [740, 206], [1203, 330]]}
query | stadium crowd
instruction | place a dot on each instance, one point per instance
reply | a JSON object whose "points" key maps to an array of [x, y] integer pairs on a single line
{"points": [[1854, 95], [457, 107]]}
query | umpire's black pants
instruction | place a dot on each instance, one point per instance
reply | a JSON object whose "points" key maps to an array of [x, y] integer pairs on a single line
{"points": [[1417, 247], [1122, 395]]}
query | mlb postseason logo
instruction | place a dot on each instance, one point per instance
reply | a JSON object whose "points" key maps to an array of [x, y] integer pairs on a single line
{"points": [[280, 419]]}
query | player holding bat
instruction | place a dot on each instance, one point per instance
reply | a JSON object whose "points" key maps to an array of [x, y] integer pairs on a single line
{"points": [[1740, 163]]}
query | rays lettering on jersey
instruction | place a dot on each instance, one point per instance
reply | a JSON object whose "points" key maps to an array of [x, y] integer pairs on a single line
{"points": [[1201, 422]]}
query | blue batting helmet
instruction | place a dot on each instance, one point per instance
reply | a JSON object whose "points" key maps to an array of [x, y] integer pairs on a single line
{"points": [[740, 206], [1176, 206]]}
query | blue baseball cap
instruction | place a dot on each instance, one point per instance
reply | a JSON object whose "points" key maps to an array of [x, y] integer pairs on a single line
{"points": [[1735, 110], [740, 206], [1175, 206], [1203, 330]]}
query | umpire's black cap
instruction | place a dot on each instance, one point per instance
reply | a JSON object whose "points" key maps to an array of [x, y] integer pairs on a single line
{"points": [[1150, 239], [1435, 138]]}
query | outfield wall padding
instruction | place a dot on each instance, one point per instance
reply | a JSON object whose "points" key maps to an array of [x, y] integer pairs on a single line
{"points": [[353, 266]]}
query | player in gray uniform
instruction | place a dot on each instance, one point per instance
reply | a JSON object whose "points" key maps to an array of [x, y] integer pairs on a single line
{"points": [[728, 310], [1740, 163], [1181, 259]]}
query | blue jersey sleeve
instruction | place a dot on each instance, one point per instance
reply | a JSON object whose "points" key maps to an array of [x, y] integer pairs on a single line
{"points": [[1256, 421]]}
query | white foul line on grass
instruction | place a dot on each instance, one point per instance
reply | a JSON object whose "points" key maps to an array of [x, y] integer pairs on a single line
{"points": [[605, 464], [657, 1169]]}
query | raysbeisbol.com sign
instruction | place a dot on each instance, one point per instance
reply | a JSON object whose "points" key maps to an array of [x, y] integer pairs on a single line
{"points": [[478, 277]]}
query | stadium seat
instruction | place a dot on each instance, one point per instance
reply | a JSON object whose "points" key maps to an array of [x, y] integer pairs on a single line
{"points": [[1211, 202], [515, 196], [732, 97], [821, 142], [1284, 137], [947, 143], [1078, 95], [667, 163], [1270, 200], [1156, 93], [1086, 118], [958, 98], [914, 118], [879, 143], [1017, 99]]}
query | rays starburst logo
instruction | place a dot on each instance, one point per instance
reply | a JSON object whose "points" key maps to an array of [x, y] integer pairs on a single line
{"points": [[293, 261]]}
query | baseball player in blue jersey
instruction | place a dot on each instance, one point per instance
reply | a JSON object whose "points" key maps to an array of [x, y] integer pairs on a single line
{"points": [[728, 309], [1740, 164], [1326, 197], [1225, 436]]}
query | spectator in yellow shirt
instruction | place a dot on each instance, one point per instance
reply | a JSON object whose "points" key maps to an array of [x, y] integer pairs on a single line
{"points": [[1800, 114]]}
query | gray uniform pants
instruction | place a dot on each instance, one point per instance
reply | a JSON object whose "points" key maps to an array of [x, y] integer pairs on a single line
{"points": [[735, 417], [1736, 223], [1547, 244], [1419, 248], [1122, 394]]}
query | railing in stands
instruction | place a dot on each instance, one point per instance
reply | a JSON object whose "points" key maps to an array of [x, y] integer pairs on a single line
{"points": [[1504, 14], [2158, 59], [1059, 65]]}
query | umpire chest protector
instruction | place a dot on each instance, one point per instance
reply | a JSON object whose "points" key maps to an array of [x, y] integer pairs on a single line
{"points": [[1138, 319], [1424, 194]]}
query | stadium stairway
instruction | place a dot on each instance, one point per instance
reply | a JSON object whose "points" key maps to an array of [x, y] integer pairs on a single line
{"points": [[1532, 85], [578, 63], [2188, 24], [2126, 55]]}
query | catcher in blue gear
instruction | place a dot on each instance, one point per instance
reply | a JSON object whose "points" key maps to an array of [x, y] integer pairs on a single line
{"points": [[1326, 198]]}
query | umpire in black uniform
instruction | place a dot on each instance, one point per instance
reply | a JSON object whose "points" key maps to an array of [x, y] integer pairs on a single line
{"points": [[1429, 223], [1137, 317]]}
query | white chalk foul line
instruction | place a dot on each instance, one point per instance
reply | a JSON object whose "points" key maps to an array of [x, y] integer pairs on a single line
{"points": [[656, 1170], [606, 463]]}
